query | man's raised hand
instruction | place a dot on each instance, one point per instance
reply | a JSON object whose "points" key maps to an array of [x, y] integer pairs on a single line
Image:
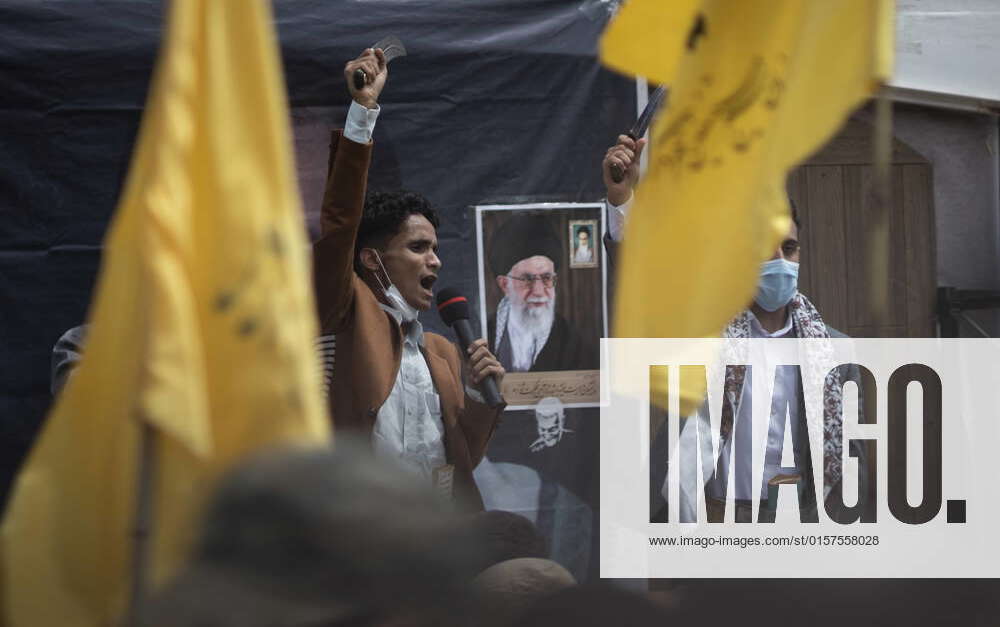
{"points": [[625, 154], [372, 62]]}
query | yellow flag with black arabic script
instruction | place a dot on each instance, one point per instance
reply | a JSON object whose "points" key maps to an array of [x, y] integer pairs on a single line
{"points": [[755, 88], [202, 328]]}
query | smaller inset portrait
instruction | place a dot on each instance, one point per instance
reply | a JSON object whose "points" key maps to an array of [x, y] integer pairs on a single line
{"points": [[581, 237]]}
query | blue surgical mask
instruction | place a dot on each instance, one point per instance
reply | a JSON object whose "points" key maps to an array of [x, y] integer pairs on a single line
{"points": [[778, 282]]}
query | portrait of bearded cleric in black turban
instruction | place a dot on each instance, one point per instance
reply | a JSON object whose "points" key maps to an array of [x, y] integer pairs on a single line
{"points": [[541, 313]]}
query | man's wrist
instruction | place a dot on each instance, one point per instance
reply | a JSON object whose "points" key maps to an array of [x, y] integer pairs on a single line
{"points": [[367, 103], [618, 197]]}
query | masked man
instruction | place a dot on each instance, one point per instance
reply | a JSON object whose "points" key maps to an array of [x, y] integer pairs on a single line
{"points": [[526, 332], [374, 265], [778, 310]]}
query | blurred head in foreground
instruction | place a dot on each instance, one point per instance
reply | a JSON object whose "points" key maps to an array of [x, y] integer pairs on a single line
{"points": [[310, 538], [506, 589], [500, 536]]}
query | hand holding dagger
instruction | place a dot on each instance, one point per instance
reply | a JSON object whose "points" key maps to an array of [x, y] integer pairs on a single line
{"points": [[620, 166], [366, 75]]}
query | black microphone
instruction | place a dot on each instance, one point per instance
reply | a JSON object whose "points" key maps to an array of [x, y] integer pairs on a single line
{"points": [[454, 310]]}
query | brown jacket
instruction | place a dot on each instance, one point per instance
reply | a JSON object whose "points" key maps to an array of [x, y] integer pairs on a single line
{"points": [[369, 341]]}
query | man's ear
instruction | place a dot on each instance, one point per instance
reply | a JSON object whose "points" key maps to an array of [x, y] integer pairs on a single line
{"points": [[368, 260], [502, 283]]}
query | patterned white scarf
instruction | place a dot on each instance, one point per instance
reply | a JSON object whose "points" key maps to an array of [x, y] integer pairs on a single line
{"points": [[817, 365]]}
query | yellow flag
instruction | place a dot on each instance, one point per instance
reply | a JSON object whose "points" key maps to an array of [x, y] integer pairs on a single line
{"points": [[202, 327], [755, 87]]}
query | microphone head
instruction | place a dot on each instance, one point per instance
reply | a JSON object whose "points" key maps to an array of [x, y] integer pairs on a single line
{"points": [[452, 305]]}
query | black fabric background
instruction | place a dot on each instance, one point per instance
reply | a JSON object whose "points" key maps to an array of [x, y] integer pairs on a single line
{"points": [[566, 503], [498, 100]]}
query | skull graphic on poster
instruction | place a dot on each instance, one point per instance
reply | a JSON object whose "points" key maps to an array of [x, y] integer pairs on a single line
{"points": [[551, 423]]}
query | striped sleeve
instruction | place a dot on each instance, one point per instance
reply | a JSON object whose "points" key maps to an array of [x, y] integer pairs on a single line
{"points": [[326, 350]]}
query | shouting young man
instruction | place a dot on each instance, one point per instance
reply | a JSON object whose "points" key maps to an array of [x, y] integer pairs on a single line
{"points": [[375, 265]]}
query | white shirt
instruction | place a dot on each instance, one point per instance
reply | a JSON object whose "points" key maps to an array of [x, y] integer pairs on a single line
{"points": [[360, 123], [408, 427], [786, 388], [616, 219]]}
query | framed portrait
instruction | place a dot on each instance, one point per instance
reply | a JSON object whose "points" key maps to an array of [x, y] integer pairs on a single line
{"points": [[543, 298], [582, 250]]}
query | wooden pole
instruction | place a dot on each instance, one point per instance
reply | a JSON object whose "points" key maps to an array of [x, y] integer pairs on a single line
{"points": [[878, 235], [142, 526]]}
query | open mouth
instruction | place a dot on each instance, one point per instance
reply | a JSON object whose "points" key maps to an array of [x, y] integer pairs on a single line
{"points": [[428, 281]]}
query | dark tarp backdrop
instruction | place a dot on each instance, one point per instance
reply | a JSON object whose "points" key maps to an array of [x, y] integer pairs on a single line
{"points": [[498, 100]]}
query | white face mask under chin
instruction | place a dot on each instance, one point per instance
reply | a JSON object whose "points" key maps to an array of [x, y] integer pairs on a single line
{"points": [[393, 295]]}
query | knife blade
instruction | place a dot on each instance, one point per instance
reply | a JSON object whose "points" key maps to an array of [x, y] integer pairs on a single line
{"points": [[391, 46], [641, 126]]}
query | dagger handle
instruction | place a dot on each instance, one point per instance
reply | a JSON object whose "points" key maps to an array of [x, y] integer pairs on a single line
{"points": [[617, 174], [359, 78]]}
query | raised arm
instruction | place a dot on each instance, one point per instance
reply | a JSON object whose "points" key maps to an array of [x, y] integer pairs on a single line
{"points": [[344, 196], [625, 154]]}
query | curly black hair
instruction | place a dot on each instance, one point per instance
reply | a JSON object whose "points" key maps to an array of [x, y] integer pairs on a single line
{"points": [[383, 216]]}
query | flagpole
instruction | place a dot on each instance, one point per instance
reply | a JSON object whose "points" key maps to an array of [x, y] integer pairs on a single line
{"points": [[878, 235], [142, 526]]}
